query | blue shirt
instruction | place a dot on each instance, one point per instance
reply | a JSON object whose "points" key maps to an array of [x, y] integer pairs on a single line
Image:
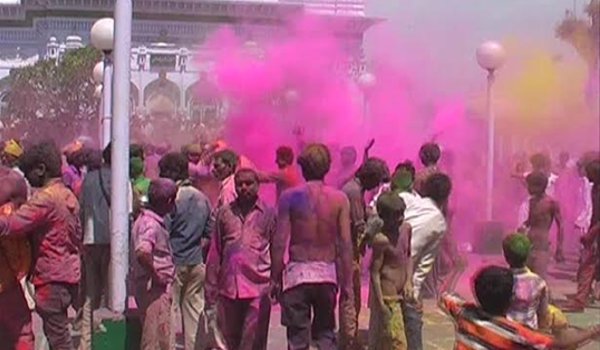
{"points": [[189, 224]]}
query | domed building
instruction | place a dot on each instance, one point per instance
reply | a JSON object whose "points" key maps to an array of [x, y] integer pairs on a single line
{"points": [[165, 34]]}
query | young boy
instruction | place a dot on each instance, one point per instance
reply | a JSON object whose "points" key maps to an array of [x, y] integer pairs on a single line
{"points": [[391, 272], [530, 296], [543, 210], [153, 268]]}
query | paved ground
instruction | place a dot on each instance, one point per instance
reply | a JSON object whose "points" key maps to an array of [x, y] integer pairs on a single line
{"points": [[438, 329]]}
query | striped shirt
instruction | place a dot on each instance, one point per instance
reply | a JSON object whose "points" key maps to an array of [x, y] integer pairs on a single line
{"points": [[476, 330]]}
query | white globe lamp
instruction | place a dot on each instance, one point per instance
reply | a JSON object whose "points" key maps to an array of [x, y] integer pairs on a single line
{"points": [[103, 33], [98, 72], [291, 96], [367, 81], [98, 91], [491, 55]]}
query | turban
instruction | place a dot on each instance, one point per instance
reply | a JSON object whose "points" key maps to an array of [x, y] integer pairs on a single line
{"points": [[13, 148]]}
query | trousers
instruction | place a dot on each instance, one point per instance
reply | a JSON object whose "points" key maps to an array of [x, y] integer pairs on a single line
{"points": [[308, 312], [15, 320], [52, 303], [244, 323], [188, 297]]}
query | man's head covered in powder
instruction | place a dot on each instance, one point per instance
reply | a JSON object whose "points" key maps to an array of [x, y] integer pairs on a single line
{"points": [[516, 248], [315, 162]]}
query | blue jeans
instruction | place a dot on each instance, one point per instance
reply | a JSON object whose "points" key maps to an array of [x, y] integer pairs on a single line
{"points": [[413, 326]]}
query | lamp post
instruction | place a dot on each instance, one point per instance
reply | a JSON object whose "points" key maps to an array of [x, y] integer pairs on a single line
{"points": [[120, 185], [98, 76], [102, 36], [490, 56], [366, 82]]}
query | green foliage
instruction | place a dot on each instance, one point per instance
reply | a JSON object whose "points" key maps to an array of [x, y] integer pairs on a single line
{"points": [[583, 33], [54, 98]]}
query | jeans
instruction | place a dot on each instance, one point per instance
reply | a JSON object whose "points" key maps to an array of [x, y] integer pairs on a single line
{"points": [[308, 311], [413, 324]]}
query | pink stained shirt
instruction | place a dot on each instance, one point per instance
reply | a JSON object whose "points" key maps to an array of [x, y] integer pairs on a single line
{"points": [[239, 261], [51, 219], [150, 236]]}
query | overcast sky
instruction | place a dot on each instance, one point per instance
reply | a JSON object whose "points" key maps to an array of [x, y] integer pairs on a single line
{"points": [[443, 34]]}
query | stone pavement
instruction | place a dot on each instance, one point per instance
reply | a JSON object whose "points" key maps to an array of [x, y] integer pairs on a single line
{"points": [[438, 333]]}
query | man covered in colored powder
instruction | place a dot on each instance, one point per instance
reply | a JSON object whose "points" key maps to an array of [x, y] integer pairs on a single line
{"points": [[225, 163], [15, 262], [531, 295], [368, 177], [348, 157], [485, 326], [543, 211], [238, 269], [590, 258], [391, 269], [540, 162], [74, 170], [141, 184], [288, 175], [153, 268], [197, 169], [51, 220], [429, 154], [190, 226], [315, 218]]}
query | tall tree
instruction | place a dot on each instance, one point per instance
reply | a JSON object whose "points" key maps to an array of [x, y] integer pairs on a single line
{"points": [[54, 98], [583, 33]]}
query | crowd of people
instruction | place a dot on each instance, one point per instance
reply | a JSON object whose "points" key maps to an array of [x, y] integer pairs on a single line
{"points": [[209, 252]]}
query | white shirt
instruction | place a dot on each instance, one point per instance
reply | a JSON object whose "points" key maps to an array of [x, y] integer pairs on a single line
{"points": [[584, 218], [428, 228]]}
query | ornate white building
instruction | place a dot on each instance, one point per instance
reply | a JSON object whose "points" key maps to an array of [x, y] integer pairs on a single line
{"points": [[165, 33]]}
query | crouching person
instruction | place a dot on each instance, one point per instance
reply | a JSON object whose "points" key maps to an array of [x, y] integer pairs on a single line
{"points": [[153, 268]]}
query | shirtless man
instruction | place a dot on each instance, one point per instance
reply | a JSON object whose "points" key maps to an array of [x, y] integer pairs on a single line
{"points": [[429, 154], [315, 218], [391, 267], [287, 176], [543, 210]]}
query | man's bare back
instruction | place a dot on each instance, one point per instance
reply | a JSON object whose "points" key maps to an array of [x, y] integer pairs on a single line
{"points": [[394, 252], [543, 211], [315, 217]]}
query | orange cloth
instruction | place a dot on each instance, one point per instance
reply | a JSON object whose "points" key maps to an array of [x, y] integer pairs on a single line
{"points": [[15, 256]]}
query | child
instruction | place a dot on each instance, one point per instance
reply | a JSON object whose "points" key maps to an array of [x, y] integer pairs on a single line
{"points": [[391, 272], [529, 304], [543, 210], [153, 268]]}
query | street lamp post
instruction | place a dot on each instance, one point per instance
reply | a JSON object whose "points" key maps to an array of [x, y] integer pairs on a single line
{"points": [[98, 76], [366, 82], [102, 36], [490, 56], [120, 185]]}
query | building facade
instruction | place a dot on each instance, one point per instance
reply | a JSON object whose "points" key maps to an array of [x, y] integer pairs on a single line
{"points": [[165, 34]]}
